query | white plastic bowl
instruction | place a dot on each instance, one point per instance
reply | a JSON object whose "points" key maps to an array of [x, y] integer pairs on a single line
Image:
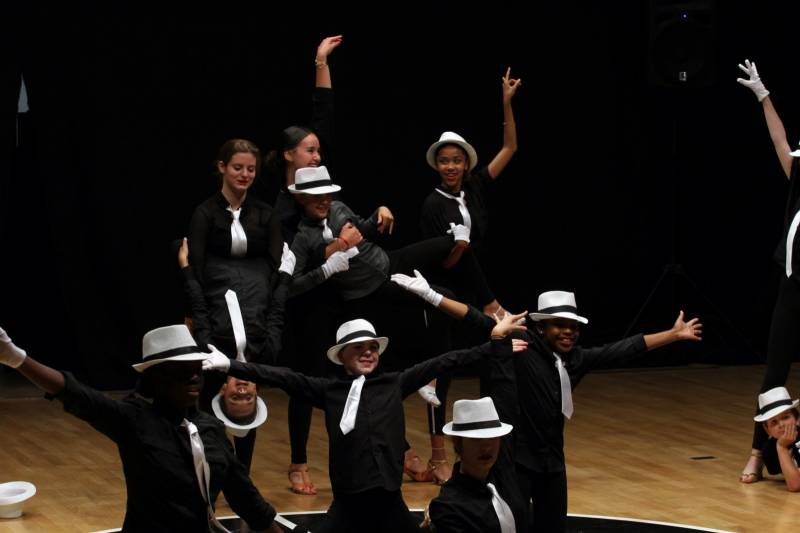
{"points": [[13, 495]]}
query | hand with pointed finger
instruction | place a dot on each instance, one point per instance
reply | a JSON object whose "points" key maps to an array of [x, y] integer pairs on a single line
{"points": [[753, 82], [419, 286], [460, 232], [288, 260], [385, 220], [10, 354], [508, 324], [216, 361], [510, 86]]}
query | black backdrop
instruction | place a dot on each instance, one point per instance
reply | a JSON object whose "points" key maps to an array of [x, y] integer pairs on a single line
{"points": [[129, 104]]}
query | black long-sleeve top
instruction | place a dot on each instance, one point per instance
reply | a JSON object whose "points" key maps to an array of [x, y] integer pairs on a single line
{"points": [[540, 430], [438, 211], [464, 504], [371, 455], [792, 208], [368, 270], [253, 278], [264, 331], [163, 492]]}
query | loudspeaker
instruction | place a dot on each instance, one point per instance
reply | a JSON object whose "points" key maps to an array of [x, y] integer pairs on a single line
{"points": [[682, 43]]}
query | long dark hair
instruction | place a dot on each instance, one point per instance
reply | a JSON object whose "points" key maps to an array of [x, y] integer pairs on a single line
{"points": [[289, 139]]}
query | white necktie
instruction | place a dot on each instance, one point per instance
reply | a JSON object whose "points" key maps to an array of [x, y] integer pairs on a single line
{"points": [[202, 472], [327, 234], [238, 236], [503, 511], [790, 243], [348, 421], [566, 387], [462, 206], [237, 324]]}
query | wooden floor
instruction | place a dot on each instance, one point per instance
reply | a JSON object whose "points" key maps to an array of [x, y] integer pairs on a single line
{"points": [[629, 449]]}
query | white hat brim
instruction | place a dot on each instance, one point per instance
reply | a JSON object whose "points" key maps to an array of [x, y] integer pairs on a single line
{"points": [[485, 433], [333, 351], [430, 156], [561, 314], [199, 356], [324, 189], [239, 430], [775, 411]]}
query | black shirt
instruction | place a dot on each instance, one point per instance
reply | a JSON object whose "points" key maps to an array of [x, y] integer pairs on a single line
{"points": [[540, 432], [439, 211], [792, 208], [371, 455], [163, 492], [465, 503]]}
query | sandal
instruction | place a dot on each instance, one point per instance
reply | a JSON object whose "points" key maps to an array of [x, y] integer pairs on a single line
{"points": [[300, 479], [413, 468], [747, 476]]}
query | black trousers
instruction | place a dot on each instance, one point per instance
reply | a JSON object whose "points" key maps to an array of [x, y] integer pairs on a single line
{"points": [[548, 493], [782, 346], [372, 511]]}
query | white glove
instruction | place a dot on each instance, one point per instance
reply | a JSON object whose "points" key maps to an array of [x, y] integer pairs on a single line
{"points": [[754, 83], [288, 260], [217, 361], [428, 393], [10, 354], [419, 286], [338, 262], [460, 232]]}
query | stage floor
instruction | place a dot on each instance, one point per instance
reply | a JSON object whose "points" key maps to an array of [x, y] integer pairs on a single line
{"points": [[663, 445]]}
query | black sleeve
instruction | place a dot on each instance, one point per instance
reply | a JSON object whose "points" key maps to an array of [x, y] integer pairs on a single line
{"points": [[109, 417], [612, 354], [294, 383], [322, 121], [418, 375], [243, 497], [199, 229], [197, 302], [275, 321], [304, 280]]}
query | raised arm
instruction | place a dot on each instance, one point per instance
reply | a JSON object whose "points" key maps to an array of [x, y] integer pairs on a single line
{"points": [[680, 331], [774, 124], [201, 323], [325, 48], [505, 154]]}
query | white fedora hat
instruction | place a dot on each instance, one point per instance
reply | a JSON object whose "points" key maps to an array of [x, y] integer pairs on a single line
{"points": [[170, 343], [357, 330], [774, 402], [313, 180], [450, 137], [234, 428], [557, 304], [13, 495], [476, 419]]}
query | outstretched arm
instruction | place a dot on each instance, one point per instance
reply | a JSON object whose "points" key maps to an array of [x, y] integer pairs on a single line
{"points": [[44, 377], [774, 124], [681, 330], [505, 154], [328, 45]]}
